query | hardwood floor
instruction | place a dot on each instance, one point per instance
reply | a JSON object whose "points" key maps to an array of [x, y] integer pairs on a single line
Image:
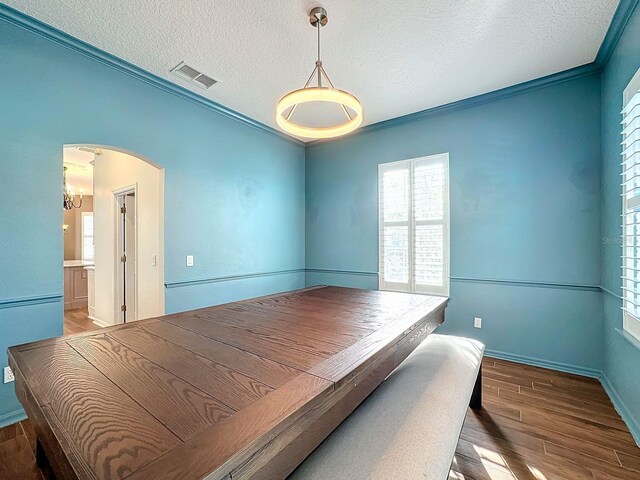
{"points": [[536, 424], [77, 320], [540, 424], [17, 454]]}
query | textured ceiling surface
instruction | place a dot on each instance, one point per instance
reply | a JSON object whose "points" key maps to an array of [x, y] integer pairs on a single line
{"points": [[397, 57], [79, 170]]}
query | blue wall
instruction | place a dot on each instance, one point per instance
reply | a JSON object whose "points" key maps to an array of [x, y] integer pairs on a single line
{"points": [[621, 367], [525, 207], [234, 194], [534, 204]]}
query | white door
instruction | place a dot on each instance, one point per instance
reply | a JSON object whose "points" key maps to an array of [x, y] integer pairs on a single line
{"points": [[128, 276]]}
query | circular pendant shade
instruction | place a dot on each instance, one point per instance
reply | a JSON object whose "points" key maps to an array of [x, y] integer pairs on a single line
{"points": [[318, 94]]}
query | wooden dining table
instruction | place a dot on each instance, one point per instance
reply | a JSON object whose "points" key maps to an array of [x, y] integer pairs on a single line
{"points": [[244, 390]]}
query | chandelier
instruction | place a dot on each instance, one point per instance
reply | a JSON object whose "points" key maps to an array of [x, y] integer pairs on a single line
{"points": [[349, 104], [67, 193]]}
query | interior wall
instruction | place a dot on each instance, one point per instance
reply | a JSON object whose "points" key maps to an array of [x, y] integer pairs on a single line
{"points": [[73, 235], [113, 172], [234, 194], [525, 218], [621, 354]]}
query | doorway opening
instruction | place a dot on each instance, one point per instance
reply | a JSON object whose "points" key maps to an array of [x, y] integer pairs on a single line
{"points": [[121, 267], [77, 230]]}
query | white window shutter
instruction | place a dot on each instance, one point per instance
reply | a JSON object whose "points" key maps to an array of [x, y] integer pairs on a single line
{"points": [[395, 208], [414, 225], [631, 208], [431, 229]]}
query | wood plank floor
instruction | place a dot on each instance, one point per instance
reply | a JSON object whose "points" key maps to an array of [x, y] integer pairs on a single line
{"points": [[540, 424], [77, 320], [536, 424]]}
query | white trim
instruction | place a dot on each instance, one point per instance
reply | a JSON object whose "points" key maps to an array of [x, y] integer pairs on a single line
{"points": [[632, 89], [411, 222], [99, 323], [631, 325]]}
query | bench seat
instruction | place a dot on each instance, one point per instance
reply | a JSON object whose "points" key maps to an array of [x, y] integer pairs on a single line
{"points": [[408, 428]]}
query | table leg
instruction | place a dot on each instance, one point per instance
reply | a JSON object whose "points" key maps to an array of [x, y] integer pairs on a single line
{"points": [[41, 457], [43, 462]]}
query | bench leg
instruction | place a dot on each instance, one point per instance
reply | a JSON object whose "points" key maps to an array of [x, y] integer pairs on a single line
{"points": [[476, 397]]}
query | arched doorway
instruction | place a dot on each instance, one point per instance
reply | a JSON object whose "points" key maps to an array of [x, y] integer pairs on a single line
{"points": [[126, 281]]}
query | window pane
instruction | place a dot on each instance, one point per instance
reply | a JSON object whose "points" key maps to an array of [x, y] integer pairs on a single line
{"points": [[428, 194], [429, 255], [87, 225], [396, 254], [88, 253], [396, 195]]}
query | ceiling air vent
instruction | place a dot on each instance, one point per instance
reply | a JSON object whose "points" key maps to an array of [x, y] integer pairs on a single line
{"points": [[192, 75]]}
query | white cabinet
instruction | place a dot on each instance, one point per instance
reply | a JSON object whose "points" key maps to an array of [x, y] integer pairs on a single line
{"points": [[75, 287]]}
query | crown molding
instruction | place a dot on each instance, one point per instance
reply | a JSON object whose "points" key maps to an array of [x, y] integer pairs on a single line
{"points": [[620, 19], [470, 102], [44, 30], [618, 23]]}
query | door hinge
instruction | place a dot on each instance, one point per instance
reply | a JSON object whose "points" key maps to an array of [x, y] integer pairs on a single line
{"points": [[123, 308], [123, 209], [123, 258]]}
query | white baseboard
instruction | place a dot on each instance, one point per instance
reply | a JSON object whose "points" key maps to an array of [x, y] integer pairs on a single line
{"points": [[99, 323]]}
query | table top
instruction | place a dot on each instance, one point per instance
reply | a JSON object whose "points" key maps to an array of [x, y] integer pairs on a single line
{"points": [[197, 394]]}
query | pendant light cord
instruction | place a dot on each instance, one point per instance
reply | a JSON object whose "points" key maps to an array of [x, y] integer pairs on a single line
{"points": [[319, 62]]}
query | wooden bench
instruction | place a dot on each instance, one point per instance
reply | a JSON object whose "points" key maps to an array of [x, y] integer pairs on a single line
{"points": [[409, 426]]}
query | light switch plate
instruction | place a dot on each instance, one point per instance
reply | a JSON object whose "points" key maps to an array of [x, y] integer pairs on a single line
{"points": [[477, 322], [189, 260], [8, 375]]}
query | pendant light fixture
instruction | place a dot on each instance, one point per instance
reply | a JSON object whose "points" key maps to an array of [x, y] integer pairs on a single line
{"points": [[320, 92], [68, 202]]}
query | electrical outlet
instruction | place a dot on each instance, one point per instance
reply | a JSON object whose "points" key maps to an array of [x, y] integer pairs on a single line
{"points": [[189, 260], [8, 375], [477, 322]]}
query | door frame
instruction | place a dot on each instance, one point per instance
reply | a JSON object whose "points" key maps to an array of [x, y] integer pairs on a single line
{"points": [[119, 194]]}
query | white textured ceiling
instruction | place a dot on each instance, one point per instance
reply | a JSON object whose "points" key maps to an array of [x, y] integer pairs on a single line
{"points": [[397, 57], [79, 170]]}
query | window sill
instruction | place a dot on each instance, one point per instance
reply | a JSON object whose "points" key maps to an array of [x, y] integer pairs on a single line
{"points": [[629, 338]]}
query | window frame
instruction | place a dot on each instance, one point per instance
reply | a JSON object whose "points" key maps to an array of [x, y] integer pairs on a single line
{"points": [[630, 323], [82, 237], [411, 222]]}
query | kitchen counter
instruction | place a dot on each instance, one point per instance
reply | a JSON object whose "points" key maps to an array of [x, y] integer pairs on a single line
{"points": [[76, 286], [77, 263]]}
